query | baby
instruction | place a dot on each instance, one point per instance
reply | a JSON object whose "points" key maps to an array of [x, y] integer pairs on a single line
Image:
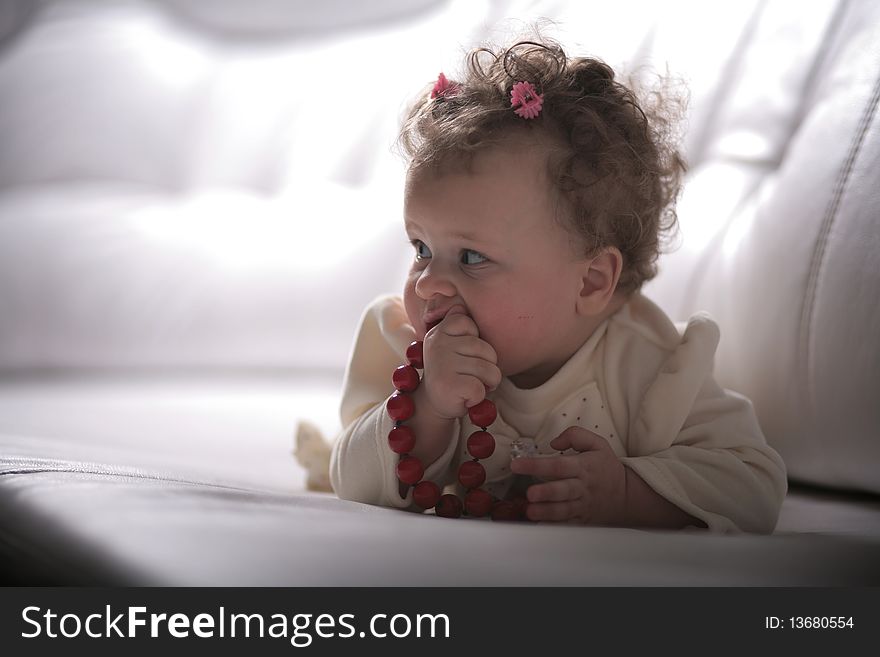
{"points": [[537, 194]]}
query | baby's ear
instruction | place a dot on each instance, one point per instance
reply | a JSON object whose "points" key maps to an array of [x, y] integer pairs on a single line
{"points": [[599, 279]]}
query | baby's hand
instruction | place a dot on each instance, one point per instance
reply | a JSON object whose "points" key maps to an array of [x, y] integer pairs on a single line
{"points": [[459, 366], [588, 487]]}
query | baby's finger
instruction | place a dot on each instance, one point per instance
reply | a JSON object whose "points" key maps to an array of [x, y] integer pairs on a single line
{"points": [[552, 511], [488, 373], [474, 347], [546, 467], [472, 390], [579, 439], [457, 323], [560, 490]]}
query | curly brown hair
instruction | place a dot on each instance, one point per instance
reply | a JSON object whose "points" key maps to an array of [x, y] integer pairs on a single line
{"points": [[613, 158]]}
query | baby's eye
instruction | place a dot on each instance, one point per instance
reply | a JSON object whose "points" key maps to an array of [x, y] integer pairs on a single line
{"points": [[422, 250], [469, 257]]}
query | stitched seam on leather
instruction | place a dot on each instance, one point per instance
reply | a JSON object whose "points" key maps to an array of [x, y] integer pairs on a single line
{"points": [[94, 469], [710, 253], [818, 260]]}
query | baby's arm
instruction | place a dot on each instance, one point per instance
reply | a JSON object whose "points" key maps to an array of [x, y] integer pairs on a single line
{"points": [[594, 487], [695, 452], [692, 442], [458, 369], [362, 465], [718, 466]]}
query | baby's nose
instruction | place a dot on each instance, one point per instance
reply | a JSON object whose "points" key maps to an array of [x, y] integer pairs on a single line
{"points": [[435, 281]]}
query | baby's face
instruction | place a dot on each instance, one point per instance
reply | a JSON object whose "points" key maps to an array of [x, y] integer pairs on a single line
{"points": [[488, 241]]}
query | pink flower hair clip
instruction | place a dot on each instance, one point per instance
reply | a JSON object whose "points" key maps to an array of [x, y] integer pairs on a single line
{"points": [[443, 88], [526, 100]]}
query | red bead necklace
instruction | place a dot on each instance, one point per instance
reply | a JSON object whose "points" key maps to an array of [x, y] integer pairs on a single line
{"points": [[471, 474]]}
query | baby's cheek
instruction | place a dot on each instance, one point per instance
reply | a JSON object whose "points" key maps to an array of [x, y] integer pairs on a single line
{"points": [[510, 336]]}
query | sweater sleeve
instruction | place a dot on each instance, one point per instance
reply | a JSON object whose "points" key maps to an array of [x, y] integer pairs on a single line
{"points": [[700, 446], [362, 466]]}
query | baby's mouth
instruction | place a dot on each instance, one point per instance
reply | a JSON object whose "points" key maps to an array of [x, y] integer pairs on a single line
{"points": [[437, 319]]}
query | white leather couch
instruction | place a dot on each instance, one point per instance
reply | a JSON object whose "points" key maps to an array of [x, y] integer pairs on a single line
{"points": [[198, 199]]}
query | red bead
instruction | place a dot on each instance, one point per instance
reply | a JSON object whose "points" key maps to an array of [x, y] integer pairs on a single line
{"points": [[478, 502], [481, 444], [471, 474], [400, 407], [426, 494], [504, 510], [401, 440], [410, 470], [449, 506], [414, 355], [405, 378], [483, 414]]}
